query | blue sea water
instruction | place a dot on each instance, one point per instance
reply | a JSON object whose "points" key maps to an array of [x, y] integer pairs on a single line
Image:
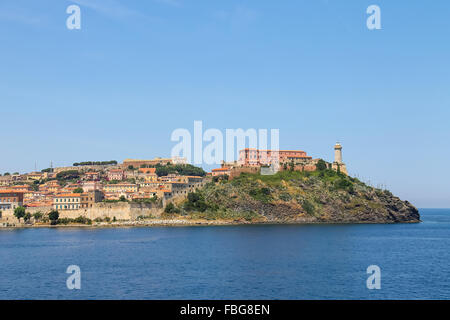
{"points": [[231, 262]]}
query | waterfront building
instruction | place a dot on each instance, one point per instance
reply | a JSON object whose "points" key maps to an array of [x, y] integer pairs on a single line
{"points": [[89, 198], [67, 201], [10, 199]]}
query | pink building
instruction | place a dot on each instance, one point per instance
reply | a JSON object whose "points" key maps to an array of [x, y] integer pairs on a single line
{"points": [[255, 157], [116, 174]]}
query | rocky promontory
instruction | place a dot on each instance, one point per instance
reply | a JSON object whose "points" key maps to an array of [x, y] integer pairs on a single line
{"points": [[323, 196]]}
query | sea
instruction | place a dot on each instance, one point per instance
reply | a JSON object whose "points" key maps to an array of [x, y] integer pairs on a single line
{"points": [[326, 261]]}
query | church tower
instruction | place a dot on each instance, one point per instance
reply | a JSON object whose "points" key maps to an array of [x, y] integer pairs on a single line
{"points": [[338, 164]]}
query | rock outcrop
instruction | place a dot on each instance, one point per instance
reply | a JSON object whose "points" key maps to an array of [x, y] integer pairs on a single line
{"points": [[307, 197]]}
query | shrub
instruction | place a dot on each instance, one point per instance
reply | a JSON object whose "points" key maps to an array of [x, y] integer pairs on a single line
{"points": [[182, 169], [343, 183], [321, 165], [171, 208], [195, 202], [261, 194], [82, 220], [27, 216], [38, 215], [68, 175], [95, 163], [285, 196], [146, 200], [308, 207]]}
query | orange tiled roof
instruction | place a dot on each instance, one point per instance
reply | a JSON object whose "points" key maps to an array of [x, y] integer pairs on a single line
{"points": [[72, 195], [39, 204], [10, 191], [221, 169]]}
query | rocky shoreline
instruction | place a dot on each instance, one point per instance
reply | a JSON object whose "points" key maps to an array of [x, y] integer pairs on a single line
{"points": [[196, 222]]}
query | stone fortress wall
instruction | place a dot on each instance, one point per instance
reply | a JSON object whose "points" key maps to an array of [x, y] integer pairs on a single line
{"points": [[119, 210]]}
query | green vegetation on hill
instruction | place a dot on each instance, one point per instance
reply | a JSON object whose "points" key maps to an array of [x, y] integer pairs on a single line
{"points": [[182, 169], [69, 175], [293, 196]]}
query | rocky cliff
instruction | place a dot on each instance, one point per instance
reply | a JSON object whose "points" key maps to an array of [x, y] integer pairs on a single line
{"points": [[291, 196]]}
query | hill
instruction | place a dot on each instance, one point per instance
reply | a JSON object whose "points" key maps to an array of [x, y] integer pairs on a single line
{"points": [[322, 196]]}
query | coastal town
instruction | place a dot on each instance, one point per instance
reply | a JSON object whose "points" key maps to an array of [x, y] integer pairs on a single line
{"points": [[108, 190]]}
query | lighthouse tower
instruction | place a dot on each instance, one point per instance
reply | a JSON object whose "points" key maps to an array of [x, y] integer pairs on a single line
{"points": [[338, 164], [338, 153]]}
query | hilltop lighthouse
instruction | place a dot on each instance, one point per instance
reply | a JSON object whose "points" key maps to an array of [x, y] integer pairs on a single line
{"points": [[338, 159]]}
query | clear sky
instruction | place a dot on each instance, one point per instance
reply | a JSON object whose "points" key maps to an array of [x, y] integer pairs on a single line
{"points": [[137, 70]]}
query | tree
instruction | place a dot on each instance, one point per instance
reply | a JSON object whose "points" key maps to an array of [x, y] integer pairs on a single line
{"points": [[123, 199], [181, 169], [195, 202], [291, 166], [95, 163], [67, 175], [27, 217], [78, 190], [321, 165], [19, 212], [7, 174], [38, 215], [53, 216]]}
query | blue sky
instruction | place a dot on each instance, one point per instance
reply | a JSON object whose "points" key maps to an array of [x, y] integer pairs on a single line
{"points": [[137, 70]]}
